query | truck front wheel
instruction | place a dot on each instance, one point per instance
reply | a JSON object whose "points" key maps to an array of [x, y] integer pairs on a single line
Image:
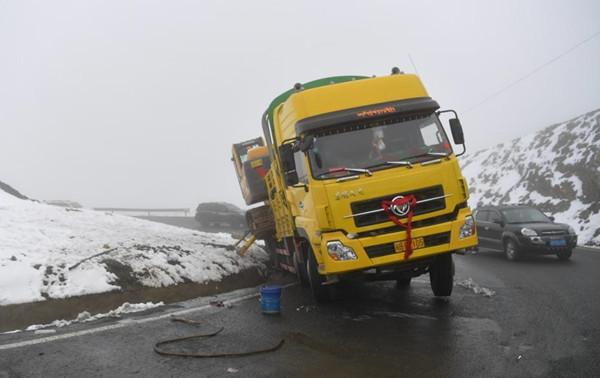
{"points": [[320, 292], [441, 275], [301, 271]]}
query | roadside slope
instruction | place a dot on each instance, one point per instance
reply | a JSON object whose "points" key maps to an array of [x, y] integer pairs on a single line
{"points": [[53, 252]]}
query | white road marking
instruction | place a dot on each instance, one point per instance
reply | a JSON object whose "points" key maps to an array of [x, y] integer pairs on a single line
{"points": [[125, 322]]}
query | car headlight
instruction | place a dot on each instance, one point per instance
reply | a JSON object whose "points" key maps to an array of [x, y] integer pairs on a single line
{"points": [[467, 229], [340, 252], [528, 232], [571, 230]]}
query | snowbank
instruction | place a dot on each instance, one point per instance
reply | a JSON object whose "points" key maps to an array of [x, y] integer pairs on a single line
{"points": [[53, 252]]}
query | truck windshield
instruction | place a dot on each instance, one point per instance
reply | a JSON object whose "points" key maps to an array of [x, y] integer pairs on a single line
{"points": [[340, 151]]}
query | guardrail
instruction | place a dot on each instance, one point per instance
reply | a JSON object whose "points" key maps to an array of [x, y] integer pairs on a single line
{"points": [[141, 210]]}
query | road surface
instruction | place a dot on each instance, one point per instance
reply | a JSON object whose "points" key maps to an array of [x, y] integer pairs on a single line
{"points": [[542, 320]]}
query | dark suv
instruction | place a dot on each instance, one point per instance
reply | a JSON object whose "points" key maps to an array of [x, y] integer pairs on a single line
{"points": [[210, 214], [523, 229]]}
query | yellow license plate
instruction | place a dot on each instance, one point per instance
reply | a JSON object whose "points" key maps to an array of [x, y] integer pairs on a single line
{"points": [[416, 244]]}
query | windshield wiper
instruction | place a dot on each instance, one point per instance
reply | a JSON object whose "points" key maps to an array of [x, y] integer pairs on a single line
{"points": [[434, 154], [345, 169], [441, 154], [405, 163]]}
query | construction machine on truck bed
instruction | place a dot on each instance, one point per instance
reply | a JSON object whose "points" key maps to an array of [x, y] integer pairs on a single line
{"points": [[362, 181]]}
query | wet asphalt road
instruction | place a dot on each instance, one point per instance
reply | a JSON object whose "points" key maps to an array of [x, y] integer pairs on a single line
{"points": [[543, 320]]}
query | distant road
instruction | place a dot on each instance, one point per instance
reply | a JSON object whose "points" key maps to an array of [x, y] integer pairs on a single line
{"points": [[542, 321]]}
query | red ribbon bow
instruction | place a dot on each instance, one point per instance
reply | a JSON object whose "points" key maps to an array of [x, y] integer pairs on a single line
{"points": [[399, 203]]}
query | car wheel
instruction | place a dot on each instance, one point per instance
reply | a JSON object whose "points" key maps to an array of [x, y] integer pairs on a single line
{"points": [[441, 275], [564, 255], [403, 283], [510, 250], [320, 292]]}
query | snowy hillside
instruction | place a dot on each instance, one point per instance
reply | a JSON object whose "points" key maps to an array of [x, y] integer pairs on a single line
{"points": [[53, 252], [557, 169]]}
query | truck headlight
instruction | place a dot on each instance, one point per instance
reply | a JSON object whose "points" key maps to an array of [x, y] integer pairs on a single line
{"points": [[467, 229], [340, 252], [528, 232]]}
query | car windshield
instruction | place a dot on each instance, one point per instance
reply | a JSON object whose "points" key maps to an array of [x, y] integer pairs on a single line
{"points": [[525, 215], [341, 151]]}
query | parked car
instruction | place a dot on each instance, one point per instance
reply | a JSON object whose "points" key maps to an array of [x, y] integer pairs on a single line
{"points": [[520, 230], [220, 214]]}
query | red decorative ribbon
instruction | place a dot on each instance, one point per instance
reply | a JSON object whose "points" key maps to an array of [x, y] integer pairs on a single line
{"points": [[399, 202]]}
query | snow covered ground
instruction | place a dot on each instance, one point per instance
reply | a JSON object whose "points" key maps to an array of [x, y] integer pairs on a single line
{"points": [[54, 252], [556, 169]]}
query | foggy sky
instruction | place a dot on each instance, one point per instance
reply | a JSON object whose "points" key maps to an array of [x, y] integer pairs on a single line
{"points": [[137, 103]]}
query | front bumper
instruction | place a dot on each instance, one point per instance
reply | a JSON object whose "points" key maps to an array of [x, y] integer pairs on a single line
{"points": [[375, 251], [542, 245]]}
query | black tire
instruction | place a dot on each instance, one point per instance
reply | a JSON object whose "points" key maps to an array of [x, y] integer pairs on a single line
{"points": [[301, 271], [441, 275], [564, 255], [403, 283], [319, 291], [511, 251]]}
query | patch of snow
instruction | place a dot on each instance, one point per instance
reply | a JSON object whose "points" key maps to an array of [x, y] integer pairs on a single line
{"points": [[470, 284], [84, 317]]}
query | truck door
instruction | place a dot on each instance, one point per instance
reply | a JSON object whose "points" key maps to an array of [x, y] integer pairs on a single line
{"points": [[299, 191]]}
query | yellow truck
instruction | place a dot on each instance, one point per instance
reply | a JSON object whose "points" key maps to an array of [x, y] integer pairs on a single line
{"points": [[363, 182]]}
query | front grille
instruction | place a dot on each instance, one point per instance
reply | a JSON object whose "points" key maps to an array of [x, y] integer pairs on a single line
{"points": [[553, 232], [388, 248], [380, 217], [416, 224]]}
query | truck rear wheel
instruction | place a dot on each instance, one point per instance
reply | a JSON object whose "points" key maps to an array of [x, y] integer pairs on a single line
{"points": [[320, 292], [441, 275]]}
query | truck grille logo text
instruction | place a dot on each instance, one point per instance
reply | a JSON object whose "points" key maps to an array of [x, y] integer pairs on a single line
{"points": [[349, 193]]}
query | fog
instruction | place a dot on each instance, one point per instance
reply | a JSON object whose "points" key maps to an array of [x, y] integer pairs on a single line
{"points": [[137, 103]]}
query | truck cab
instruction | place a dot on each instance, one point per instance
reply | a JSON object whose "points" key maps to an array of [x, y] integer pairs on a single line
{"points": [[347, 153]]}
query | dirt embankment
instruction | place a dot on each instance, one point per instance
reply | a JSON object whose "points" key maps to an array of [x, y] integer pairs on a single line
{"points": [[20, 316]]}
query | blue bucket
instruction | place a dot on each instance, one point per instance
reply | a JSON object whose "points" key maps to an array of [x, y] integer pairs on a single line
{"points": [[270, 299]]}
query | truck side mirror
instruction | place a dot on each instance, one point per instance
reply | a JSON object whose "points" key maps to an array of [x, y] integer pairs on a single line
{"points": [[288, 165], [457, 131]]}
